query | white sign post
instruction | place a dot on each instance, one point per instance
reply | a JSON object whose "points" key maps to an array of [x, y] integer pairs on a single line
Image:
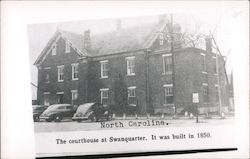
{"points": [[196, 101]]}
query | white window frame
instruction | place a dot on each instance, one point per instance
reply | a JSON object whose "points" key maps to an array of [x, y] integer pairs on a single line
{"points": [[47, 77], [168, 86], [216, 72], [132, 88], [53, 49], [73, 66], [133, 96], [204, 69], [60, 73], [47, 74], [59, 92], [72, 95], [167, 93], [57, 96], [164, 62], [103, 63], [102, 97], [129, 72], [67, 47]]}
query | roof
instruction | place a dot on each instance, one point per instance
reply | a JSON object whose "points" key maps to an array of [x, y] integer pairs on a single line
{"points": [[119, 41], [124, 40], [76, 41], [58, 105]]}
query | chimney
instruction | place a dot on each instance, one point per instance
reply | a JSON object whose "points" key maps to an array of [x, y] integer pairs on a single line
{"points": [[87, 41], [208, 40], [118, 24]]}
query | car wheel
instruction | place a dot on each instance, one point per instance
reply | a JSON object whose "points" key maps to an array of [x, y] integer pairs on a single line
{"points": [[36, 118], [109, 118], [57, 118], [93, 118], [48, 120], [78, 120]]}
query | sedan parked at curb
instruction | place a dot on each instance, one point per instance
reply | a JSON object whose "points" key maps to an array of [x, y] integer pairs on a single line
{"points": [[37, 111], [57, 112], [92, 111]]}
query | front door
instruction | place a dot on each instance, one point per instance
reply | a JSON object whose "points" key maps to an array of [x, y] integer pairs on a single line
{"points": [[59, 98]]}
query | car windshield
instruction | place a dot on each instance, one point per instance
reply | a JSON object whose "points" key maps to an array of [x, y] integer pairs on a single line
{"points": [[84, 108], [54, 107], [37, 108]]}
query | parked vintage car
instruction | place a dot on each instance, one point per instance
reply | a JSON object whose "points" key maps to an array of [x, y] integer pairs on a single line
{"points": [[37, 111], [92, 111], [57, 112]]}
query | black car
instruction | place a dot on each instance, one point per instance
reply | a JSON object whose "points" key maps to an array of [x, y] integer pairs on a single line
{"points": [[37, 111], [57, 112], [92, 111]]}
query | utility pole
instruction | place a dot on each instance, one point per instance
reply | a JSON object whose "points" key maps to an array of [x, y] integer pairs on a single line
{"points": [[218, 81], [173, 59], [218, 74], [147, 80]]}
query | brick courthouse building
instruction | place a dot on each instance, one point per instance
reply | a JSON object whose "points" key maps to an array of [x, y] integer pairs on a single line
{"points": [[159, 76]]}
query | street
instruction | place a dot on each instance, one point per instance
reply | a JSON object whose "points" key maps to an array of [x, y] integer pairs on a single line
{"points": [[69, 125]]}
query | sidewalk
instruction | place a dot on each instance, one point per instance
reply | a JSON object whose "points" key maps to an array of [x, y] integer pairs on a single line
{"points": [[178, 117]]}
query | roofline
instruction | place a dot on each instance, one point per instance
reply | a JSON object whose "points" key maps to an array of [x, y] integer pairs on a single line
{"points": [[182, 49], [45, 49], [159, 27], [146, 49], [46, 46], [118, 53]]}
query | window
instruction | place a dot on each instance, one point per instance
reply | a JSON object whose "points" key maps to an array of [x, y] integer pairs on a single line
{"points": [[67, 47], [214, 65], [74, 71], [168, 94], [205, 92], [68, 107], [130, 66], [60, 73], [74, 97], [204, 67], [62, 107], [54, 49], [161, 39], [47, 78], [46, 100], [104, 96], [167, 64], [216, 93], [59, 97], [132, 96], [104, 69]]}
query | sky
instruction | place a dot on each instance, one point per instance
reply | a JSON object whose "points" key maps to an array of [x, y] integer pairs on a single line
{"points": [[221, 22]]}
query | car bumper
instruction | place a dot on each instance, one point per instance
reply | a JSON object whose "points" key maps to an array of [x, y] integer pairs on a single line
{"points": [[44, 117], [79, 118]]}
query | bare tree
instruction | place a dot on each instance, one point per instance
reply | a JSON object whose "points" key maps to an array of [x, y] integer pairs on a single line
{"points": [[217, 48], [192, 38]]}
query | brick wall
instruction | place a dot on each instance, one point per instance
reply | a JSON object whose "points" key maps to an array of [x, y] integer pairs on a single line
{"points": [[188, 78], [118, 65], [52, 61]]}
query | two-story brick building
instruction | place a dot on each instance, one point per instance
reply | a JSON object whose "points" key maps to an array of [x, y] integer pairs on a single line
{"points": [[160, 75]]}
